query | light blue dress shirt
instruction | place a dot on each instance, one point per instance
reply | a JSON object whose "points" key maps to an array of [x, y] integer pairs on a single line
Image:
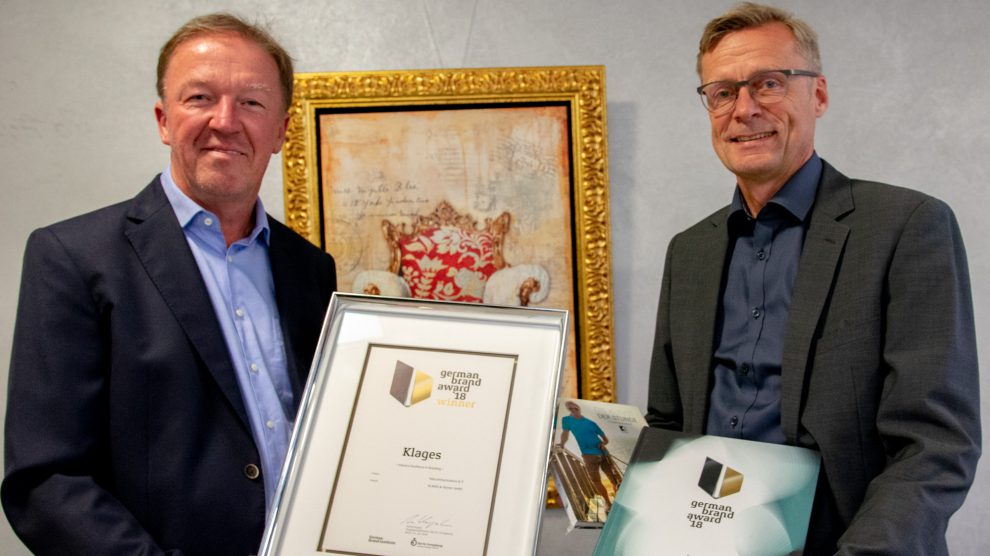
{"points": [[239, 281]]}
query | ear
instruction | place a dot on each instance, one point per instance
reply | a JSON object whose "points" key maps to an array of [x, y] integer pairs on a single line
{"points": [[280, 134], [821, 96], [162, 122]]}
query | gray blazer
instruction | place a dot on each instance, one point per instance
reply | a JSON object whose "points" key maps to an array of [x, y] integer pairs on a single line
{"points": [[879, 368]]}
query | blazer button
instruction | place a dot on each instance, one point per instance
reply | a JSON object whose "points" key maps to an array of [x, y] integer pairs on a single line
{"points": [[251, 471]]}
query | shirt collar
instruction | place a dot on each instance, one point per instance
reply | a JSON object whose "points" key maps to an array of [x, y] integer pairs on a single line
{"points": [[186, 209], [796, 196]]}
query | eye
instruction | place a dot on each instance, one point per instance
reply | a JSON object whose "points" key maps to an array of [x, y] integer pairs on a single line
{"points": [[768, 82], [719, 93], [197, 98], [254, 101]]}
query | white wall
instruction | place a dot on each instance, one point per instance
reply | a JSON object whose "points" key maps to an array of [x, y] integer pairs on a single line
{"points": [[909, 105]]}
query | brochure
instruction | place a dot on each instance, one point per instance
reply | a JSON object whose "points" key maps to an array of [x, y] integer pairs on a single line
{"points": [[593, 443], [691, 495]]}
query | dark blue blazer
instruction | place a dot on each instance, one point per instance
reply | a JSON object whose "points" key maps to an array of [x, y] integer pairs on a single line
{"points": [[126, 432]]}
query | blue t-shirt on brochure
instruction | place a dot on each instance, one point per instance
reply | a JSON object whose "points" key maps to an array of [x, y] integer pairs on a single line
{"points": [[587, 433]]}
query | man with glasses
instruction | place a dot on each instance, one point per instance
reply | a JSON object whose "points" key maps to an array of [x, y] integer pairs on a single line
{"points": [[818, 310]]}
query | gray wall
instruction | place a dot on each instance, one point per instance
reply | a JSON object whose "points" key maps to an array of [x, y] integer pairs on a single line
{"points": [[908, 86]]}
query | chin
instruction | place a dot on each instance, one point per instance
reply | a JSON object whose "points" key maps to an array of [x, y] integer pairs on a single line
{"points": [[223, 185], [752, 165]]}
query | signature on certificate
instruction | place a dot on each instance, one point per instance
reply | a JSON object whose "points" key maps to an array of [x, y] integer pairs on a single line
{"points": [[426, 521]]}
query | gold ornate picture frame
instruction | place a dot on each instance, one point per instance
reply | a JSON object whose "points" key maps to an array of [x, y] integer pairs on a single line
{"points": [[508, 165]]}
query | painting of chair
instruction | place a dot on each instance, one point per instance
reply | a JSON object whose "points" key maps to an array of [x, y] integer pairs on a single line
{"points": [[445, 255]]}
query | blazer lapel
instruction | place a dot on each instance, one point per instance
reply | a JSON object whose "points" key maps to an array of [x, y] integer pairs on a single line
{"points": [[694, 305], [290, 282], [160, 244], [820, 256]]}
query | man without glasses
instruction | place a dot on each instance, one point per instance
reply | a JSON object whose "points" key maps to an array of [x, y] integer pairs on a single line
{"points": [[161, 343], [591, 441]]}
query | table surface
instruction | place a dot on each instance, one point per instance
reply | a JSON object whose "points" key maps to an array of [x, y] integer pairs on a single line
{"points": [[556, 540]]}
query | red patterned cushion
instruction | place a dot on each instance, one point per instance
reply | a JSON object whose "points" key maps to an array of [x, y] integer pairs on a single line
{"points": [[447, 263]]}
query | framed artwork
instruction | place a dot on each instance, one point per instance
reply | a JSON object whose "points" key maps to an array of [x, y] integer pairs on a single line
{"points": [[476, 185], [424, 426]]}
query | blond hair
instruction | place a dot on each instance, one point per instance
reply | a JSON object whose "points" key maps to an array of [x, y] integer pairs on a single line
{"points": [[225, 23]]}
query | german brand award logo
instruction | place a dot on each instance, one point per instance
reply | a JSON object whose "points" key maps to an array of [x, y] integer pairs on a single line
{"points": [[718, 481], [410, 386]]}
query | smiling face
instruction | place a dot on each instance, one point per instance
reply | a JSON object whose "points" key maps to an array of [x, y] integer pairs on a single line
{"points": [[764, 145], [223, 116]]}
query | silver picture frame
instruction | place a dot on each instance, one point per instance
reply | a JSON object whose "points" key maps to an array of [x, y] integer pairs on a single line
{"points": [[425, 427]]}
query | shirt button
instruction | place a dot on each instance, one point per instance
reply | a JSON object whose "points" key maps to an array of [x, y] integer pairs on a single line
{"points": [[761, 254], [208, 221], [254, 367], [733, 422], [270, 424], [756, 313], [744, 369], [239, 312], [251, 471], [230, 258]]}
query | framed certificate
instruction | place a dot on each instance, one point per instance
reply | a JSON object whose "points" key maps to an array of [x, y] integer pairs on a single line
{"points": [[425, 428]]}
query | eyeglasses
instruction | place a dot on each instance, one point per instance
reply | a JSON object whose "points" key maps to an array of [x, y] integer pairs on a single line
{"points": [[766, 87]]}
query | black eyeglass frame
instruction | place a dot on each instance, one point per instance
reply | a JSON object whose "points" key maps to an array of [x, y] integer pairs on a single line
{"points": [[736, 85]]}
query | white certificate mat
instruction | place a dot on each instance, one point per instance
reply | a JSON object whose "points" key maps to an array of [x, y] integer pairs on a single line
{"points": [[442, 451], [425, 428]]}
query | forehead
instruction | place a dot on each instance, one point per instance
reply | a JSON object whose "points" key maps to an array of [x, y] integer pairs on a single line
{"points": [[221, 57], [741, 53]]}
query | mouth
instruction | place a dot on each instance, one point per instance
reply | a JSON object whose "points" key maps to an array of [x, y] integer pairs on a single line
{"points": [[225, 151], [754, 137]]}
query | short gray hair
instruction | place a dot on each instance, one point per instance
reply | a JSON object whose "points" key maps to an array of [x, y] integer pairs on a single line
{"points": [[748, 15]]}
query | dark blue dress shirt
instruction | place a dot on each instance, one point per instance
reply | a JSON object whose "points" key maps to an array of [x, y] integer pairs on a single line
{"points": [[752, 319]]}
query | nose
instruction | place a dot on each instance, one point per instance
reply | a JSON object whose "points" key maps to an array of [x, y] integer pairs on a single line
{"points": [[225, 116], [746, 105]]}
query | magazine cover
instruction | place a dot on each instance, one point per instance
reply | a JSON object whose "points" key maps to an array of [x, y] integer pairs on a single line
{"points": [[593, 444], [694, 494]]}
